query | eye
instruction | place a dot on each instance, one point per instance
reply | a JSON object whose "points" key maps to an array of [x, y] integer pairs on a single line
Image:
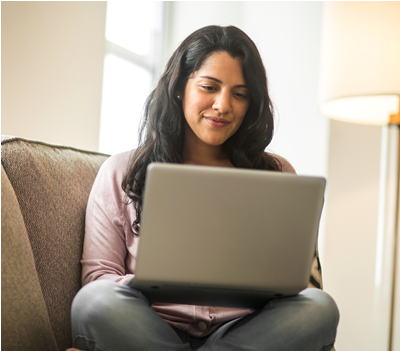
{"points": [[208, 87], [241, 95]]}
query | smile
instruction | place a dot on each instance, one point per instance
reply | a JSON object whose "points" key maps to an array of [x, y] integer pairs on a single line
{"points": [[217, 122]]}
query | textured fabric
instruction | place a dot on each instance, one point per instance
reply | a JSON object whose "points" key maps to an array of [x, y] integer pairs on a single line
{"points": [[52, 184], [110, 250], [23, 310], [113, 317]]}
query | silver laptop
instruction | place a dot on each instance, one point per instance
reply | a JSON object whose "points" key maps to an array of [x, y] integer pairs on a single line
{"points": [[225, 236]]}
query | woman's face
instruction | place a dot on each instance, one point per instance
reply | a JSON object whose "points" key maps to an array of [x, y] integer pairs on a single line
{"points": [[215, 99]]}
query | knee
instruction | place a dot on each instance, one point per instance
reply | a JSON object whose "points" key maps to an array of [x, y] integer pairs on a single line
{"points": [[322, 306], [103, 299], [93, 299]]}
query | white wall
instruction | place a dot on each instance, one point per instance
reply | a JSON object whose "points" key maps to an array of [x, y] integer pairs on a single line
{"points": [[187, 16], [350, 244], [52, 66]]}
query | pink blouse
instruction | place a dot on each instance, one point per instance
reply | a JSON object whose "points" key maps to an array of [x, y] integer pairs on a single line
{"points": [[110, 249]]}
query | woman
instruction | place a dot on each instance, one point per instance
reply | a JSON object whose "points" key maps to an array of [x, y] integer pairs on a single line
{"points": [[210, 107]]}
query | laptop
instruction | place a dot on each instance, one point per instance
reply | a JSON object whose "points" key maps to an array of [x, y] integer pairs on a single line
{"points": [[226, 237]]}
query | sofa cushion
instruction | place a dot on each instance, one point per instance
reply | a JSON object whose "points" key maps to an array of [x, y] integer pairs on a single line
{"points": [[52, 185], [23, 310]]}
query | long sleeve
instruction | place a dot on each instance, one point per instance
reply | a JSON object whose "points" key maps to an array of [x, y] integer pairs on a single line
{"points": [[109, 250]]}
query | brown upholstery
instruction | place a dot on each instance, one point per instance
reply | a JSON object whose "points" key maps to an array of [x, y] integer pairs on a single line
{"points": [[22, 303], [44, 194]]}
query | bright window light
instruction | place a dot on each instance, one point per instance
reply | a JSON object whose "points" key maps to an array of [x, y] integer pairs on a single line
{"points": [[130, 69], [125, 89], [130, 25]]}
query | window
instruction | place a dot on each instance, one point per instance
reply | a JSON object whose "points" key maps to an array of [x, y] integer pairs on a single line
{"points": [[132, 65]]}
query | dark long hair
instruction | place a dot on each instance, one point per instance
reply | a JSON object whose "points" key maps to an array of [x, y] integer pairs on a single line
{"points": [[162, 128]]}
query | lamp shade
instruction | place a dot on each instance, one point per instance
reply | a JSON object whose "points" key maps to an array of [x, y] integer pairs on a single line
{"points": [[360, 61]]}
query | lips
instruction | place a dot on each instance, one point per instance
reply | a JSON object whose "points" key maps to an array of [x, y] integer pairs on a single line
{"points": [[218, 119], [217, 122]]}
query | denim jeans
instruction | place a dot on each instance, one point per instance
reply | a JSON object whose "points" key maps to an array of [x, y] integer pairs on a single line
{"points": [[109, 316]]}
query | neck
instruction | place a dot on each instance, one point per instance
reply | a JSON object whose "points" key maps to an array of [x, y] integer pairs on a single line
{"points": [[197, 153]]}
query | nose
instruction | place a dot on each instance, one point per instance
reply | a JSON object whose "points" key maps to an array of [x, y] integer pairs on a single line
{"points": [[222, 103]]}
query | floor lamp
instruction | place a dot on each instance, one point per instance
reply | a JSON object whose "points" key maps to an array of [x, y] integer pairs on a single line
{"points": [[360, 83]]}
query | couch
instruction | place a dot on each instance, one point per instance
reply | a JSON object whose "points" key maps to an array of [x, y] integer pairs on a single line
{"points": [[44, 191]]}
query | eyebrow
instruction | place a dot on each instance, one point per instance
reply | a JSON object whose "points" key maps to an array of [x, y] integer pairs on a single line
{"points": [[220, 82]]}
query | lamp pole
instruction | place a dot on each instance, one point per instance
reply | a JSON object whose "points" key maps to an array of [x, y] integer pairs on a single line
{"points": [[387, 269], [394, 135]]}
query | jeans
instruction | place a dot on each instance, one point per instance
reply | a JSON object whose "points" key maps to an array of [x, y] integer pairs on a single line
{"points": [[110, 316]]}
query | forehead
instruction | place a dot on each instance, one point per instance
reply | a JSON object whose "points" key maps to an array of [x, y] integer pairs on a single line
{"points": [[220, 64]]}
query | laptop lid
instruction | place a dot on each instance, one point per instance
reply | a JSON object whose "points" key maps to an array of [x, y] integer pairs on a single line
{"points": [[226, 236]]}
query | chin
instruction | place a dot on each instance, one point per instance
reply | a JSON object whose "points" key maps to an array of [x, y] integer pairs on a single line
{"points": [[214, 142]]}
